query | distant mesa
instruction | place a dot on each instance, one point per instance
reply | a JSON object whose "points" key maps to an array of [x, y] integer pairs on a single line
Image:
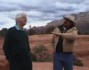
{"points": [[82, 22]]}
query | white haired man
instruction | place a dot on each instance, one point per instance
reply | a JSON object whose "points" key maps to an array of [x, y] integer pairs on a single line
{"points": [[16, 45], [63, 41]]}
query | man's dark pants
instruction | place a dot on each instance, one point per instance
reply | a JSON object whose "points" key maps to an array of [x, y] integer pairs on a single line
{"points": [[63, 60]]}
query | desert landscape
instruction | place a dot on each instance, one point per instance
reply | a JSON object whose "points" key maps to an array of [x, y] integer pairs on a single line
{"points": [[81, 51]]}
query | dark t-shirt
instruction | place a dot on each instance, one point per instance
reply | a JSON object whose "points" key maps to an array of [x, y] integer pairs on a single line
{"points": [[59, 46]]}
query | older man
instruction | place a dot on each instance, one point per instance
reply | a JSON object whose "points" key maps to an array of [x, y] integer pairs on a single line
{"points": [[16, 45], [63, 41]]}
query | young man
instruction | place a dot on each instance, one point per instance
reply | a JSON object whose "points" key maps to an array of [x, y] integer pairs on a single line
{"points": [[63, 41], [16, 45]]}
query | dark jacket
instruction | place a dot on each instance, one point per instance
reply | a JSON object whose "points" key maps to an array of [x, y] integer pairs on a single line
{"points": [[16, 49]]}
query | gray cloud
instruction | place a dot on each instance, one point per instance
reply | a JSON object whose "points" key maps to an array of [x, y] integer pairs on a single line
{"points": [[40, 10], [71, 1]]}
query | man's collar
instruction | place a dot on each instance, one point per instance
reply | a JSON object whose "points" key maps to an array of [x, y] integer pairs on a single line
{"points": [[17, 27]]}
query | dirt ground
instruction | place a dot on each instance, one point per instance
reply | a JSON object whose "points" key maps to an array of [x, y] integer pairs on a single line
{"points": [[49, 66], [81, 50]]}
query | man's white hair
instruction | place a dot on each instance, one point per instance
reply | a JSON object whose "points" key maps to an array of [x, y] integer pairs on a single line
{"points": [[19, 15]]}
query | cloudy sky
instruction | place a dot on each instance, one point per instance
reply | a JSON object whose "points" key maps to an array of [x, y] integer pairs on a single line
{"points": [[39, 12]]}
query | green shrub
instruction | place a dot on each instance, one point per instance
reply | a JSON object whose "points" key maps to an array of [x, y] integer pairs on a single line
{"points": [[40, 54], [77, 62]]}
